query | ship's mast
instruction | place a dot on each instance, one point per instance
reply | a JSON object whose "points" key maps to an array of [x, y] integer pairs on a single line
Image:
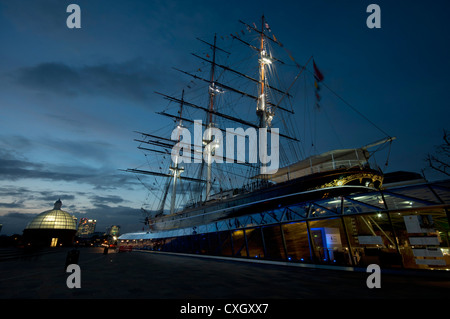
{"points": [[176, 170], [210, 122], [265, 116], [262, 111], [265, 110]]}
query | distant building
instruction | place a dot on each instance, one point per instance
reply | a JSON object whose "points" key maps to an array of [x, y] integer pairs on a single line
{"points": [[86, 227], [113, 231], [51, 228]]}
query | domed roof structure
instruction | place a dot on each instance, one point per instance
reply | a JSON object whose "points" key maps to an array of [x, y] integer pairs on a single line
{"points": [[53, 219], [52, 227]]}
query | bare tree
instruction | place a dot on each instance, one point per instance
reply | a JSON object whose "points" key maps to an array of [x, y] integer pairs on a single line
{"points": [[440, 161]]}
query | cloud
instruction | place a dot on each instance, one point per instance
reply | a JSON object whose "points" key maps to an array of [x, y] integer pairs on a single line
{"points": [[13, 169], [21, 216], [79, 148], [51, 196], [97, 199], [15, 204], [18, 169], [129, 80]]}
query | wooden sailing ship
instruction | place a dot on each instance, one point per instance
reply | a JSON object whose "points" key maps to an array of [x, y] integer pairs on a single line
{"points": [[211, 198]]}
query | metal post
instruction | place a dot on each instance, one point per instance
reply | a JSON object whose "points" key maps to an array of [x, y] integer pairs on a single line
{"points": [[392, 227], [312, 252], [230, 235], [447, 212], [263, 241], [246, 243], [219, 241], [348, 241], [346, 232], [284, 241]]}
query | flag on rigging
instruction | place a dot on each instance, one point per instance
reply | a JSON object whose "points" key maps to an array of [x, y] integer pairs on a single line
{"points": [[316, 85], [318, 97], [318, 78], [317, 74]]}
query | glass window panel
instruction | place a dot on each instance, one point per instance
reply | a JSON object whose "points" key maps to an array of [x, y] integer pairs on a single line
{"points": [[273, 217], [423, 238], [374, 199], [298, 211], [444, 194], [297, 243], [320, 211], [255, 243], [201, 229], [394, 202], [239, 247], [422, 192], [256, 219], [214, 244], [225, 243], [242, 222], [354, 207], [211, 228], [273, 242], [372, 240], [202, 244], [329, 242], [332, 204], [222, 226]]}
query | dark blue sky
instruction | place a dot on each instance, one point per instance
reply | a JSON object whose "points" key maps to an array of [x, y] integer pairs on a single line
{"points": [[70, 99]]}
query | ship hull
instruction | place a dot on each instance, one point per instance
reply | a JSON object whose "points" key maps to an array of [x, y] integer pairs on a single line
{"points": [[316, 186]]}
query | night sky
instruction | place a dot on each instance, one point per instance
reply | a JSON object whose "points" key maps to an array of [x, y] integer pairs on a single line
{"points": [[71, 99]]}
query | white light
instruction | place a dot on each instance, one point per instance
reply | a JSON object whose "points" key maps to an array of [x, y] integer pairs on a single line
{"points": [[266, 60]]}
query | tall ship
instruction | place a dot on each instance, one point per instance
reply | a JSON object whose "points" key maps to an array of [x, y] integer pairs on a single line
{"points": [[232, 148]]}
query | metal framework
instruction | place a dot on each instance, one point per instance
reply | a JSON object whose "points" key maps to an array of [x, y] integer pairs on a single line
{"points": [[434, 195]]}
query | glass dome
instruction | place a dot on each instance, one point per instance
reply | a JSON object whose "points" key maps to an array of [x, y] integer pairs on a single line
{"points": [[53, 219]]}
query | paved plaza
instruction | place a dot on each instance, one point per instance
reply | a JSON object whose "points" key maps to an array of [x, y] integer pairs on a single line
{"points": [[151, 275]]}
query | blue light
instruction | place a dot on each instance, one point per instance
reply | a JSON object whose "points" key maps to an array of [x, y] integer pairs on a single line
{"points": [[289, 258]]}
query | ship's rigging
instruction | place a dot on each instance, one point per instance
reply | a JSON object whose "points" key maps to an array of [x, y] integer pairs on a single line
{"points": [[230, 93]]}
